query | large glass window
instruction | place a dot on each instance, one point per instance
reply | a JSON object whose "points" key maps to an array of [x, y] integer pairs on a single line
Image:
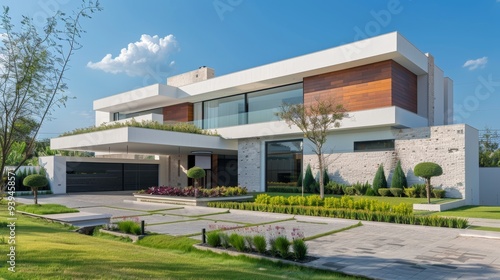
{"points": [[228, 111], [262, 105], [283, 163], [376, 145]]}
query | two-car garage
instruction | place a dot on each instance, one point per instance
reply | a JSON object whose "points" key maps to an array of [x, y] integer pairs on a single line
{"points": [[102, 176]]}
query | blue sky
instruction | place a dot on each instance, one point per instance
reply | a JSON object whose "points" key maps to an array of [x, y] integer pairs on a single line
{"points": [[232, 35]]}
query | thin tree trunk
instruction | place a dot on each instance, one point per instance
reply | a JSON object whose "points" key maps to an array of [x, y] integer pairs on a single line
{"points": [[321, 179], [428, 189], [35, 195]]}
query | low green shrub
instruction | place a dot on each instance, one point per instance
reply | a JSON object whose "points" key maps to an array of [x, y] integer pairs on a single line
{"points": [[259, 242], [397, 192], [334, 188], [237, 241], [314, 200], [384, 191], [410, 192], [263, 199], [370, 192], [278, 200], [129, 227], [361, 188], [213, 238], [284, 189], [249, 242], [296, 200], [350, 191], [420, 190], [439, 193], [273, 249], [283, 246], [299, 247], [224, 240]]}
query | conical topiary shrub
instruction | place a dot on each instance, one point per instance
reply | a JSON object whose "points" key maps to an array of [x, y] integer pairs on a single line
{"points": [[379, 181], [399, 178], [309, 179], [326, 178]]}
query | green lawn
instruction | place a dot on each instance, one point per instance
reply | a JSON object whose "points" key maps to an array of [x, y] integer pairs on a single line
{"points": [[390, 200], [45, 209], [486, 212], [51, 251]]}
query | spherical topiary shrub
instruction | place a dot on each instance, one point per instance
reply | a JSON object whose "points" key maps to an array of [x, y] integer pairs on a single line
{"points": [[196, 173], [35, 181], [427, 170]]}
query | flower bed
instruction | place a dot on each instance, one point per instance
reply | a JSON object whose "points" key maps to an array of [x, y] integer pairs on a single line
{"points": [[192, 196], [196, 192], [271, 241]]}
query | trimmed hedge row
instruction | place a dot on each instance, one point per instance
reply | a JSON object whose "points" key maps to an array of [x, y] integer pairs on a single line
{"points": [[364, 215]]}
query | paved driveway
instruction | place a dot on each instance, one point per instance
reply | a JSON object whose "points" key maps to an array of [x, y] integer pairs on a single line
{"points": [[375, 250]]}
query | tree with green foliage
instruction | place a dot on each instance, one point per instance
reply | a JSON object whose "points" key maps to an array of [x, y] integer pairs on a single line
{"points": [[33, 62], [379, 181], [399, 177], [427, 170], [196, 173], [314, 120], [35, 181], [308, 179]]}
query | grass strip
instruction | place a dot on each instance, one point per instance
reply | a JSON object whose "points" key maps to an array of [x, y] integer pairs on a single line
{"points": [[45, 209], [495, 229], [332, 232]]}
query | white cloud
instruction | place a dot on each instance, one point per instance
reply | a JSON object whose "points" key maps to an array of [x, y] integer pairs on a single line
{"points": [[139, 58], [473, 64]]}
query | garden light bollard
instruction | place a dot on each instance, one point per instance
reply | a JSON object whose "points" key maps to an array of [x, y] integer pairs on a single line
{"points": [[203, 237], [142, 227]]}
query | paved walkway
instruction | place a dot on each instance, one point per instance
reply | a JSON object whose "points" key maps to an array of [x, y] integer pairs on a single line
{"points": [[375, 250]]}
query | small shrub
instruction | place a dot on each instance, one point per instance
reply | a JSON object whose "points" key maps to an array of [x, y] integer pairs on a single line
{"points": [[299, 181], [420, 190], [249, 242], [263, 199], [334, 188], [398, 177], [314, 200], [237, 241], [283, 246], [129, 227], [299, 249], [308, 178], [397, 192], [259, 243], [370, 192], [278, 200], [439, 193], [410, 192], [224, 240], [360, 188], [384, 192], [273, 249], [326, 178], [379, 181], [213, 238], [350, 191]]}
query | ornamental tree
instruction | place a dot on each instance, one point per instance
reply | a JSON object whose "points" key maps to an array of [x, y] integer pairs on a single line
{"points": [[35, 181], [315, 121], [399, 178], [379, 181], [427, 170], [196, 173]]}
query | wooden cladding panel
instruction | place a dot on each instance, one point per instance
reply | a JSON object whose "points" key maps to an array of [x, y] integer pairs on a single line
{"points": [[178, 113], [404, 88], [371, 86]]}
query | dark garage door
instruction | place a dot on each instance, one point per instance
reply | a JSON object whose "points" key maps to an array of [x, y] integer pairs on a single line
{"points": [[93, 177]]}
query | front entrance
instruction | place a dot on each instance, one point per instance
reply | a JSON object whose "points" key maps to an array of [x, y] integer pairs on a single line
{"points": [[283, 163]]}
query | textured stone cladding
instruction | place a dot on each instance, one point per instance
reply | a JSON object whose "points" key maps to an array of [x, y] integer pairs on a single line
{"points": [[249, 169], [444, 145]]}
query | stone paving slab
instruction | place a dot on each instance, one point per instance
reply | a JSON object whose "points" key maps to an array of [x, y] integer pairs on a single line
{"points": [[157, 219], [115, 213], [141, 206], [188, 227], [248, 217], [194, 211]]}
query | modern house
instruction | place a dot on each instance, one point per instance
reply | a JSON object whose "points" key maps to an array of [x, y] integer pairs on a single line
{"points": [[400, 109]]}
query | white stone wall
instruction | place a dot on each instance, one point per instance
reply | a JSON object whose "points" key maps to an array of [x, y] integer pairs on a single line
{"points": [[177, 176], [249, 163], [444, 145]]}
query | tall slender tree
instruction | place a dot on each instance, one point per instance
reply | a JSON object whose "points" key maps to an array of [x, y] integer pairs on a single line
{"points": [[33, 63], [315, 121]]}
